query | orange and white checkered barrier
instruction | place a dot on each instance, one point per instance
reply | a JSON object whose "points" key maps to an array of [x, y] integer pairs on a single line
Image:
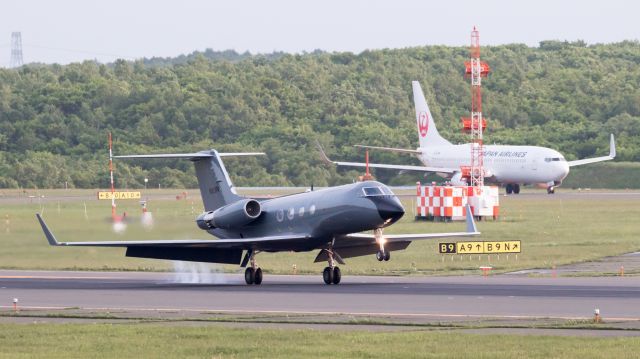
{"points": [[449, 202]]}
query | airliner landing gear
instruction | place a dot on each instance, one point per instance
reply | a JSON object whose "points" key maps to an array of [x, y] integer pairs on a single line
{"points": [[253, 274], [551, 190], [512, 188], [381, 254], [331, 274]]}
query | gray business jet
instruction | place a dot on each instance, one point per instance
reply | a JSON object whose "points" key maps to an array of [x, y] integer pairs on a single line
{"points": [[329, 220]]}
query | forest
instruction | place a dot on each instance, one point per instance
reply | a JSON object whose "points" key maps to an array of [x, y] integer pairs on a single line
{"points": [[54, 119]]}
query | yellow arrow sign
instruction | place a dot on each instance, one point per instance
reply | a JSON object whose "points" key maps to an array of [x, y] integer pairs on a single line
{"points": [[488, 247], [119, 195]]}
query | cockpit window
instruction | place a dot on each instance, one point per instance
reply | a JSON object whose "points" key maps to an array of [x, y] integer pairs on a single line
{"points": [[554, 159], [372, 191], [386, 190]]}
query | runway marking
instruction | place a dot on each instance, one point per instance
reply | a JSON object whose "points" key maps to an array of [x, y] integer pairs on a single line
{"points": [[383, 314], [56, 277]]}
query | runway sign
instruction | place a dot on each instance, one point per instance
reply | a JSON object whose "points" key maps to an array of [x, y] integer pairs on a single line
{"points": [[488, 247], [119, 195]]}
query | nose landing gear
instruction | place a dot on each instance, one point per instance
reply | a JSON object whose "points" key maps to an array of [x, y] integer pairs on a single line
{"points": [[381, 254]]}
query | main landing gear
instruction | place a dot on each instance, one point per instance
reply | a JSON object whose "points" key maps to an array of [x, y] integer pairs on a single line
{"points": [[253, 274], [551, 190], [512, 188], [381, 254], [331, 274]]}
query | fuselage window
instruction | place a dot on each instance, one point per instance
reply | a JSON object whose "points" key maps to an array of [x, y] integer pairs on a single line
{"points": [[291, 214], [372, 191], [280, 215], [301, 212], [312, 209]]}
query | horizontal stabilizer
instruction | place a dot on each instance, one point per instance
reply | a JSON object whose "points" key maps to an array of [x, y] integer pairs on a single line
{"points": [[194, 156]]}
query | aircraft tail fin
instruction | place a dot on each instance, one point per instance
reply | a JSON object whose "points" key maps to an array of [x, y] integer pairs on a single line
{"points": [[427, 131], [216, 187]]}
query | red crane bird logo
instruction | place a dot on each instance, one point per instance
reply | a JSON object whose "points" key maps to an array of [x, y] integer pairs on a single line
{"points": [[423, 123]]}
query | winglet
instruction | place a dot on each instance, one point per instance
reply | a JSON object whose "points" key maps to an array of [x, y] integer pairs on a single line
{"points": [[50, 237], [471, 224], [612, 147], [323, 155]]}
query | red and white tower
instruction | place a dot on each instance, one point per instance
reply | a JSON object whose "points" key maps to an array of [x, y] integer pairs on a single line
{"points": [[113, 187], [475, 125]]}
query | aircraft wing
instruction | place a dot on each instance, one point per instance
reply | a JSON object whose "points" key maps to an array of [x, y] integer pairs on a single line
{"points": [[361, 244], [387, 166], [472, 230], [612, 155], [236, 243], [390, 149]]}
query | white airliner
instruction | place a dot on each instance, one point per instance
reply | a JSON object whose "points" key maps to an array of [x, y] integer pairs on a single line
{"points": [[505, 165]]}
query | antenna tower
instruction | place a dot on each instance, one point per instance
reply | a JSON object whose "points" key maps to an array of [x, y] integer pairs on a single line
{"points": [[475, 125], [113, 187], [16, 50]]}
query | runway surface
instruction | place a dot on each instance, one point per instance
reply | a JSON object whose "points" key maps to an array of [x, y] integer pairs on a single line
{"points": [[442, 297]]}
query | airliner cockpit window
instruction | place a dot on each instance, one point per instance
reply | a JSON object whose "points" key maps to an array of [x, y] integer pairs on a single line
{"points": [[372, 191], [386, 190]]}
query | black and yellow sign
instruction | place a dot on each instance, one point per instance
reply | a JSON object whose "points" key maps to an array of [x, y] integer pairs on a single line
{"points": [[489, 247], [119, 195]]}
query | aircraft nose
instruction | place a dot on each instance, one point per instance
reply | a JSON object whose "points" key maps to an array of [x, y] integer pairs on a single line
{"points": [[390, 209], [564, 170]]}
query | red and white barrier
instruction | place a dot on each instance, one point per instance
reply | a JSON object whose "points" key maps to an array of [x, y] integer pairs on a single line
{"points": [[449, 202]]}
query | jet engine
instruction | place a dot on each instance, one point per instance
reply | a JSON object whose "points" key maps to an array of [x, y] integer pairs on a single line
{"points": [[457, 179], [233, 215]]}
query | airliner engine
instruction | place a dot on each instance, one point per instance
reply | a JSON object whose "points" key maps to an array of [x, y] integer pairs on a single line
{"points": [[457, 179], [234, 215]]}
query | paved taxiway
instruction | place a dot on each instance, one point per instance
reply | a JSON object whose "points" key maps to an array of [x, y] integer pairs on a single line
{"points": [[444, 297]]}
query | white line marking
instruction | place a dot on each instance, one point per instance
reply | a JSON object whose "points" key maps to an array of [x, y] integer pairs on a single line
{"points": [[245, 311]]}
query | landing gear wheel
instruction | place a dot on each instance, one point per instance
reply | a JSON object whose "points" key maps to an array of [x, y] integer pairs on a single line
{"points": [[516, 188], [327, 275], [509, 188], [257, 277], [387, 256], [551, 190], [249, 275], [336, 275], [379, 256]]}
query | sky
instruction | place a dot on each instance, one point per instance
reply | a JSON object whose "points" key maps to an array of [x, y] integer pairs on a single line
{"points": [[66, 31]]}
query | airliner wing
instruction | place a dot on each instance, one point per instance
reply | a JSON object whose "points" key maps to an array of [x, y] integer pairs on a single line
{"points": [[390, 149], [612, 155], [386, 166]]}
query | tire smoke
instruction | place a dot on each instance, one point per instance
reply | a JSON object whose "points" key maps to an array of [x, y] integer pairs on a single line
{"points": [[197, 273]]}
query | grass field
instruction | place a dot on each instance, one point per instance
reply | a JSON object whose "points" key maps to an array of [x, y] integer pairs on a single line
{"points": [[161, 341], [554, 230]]}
